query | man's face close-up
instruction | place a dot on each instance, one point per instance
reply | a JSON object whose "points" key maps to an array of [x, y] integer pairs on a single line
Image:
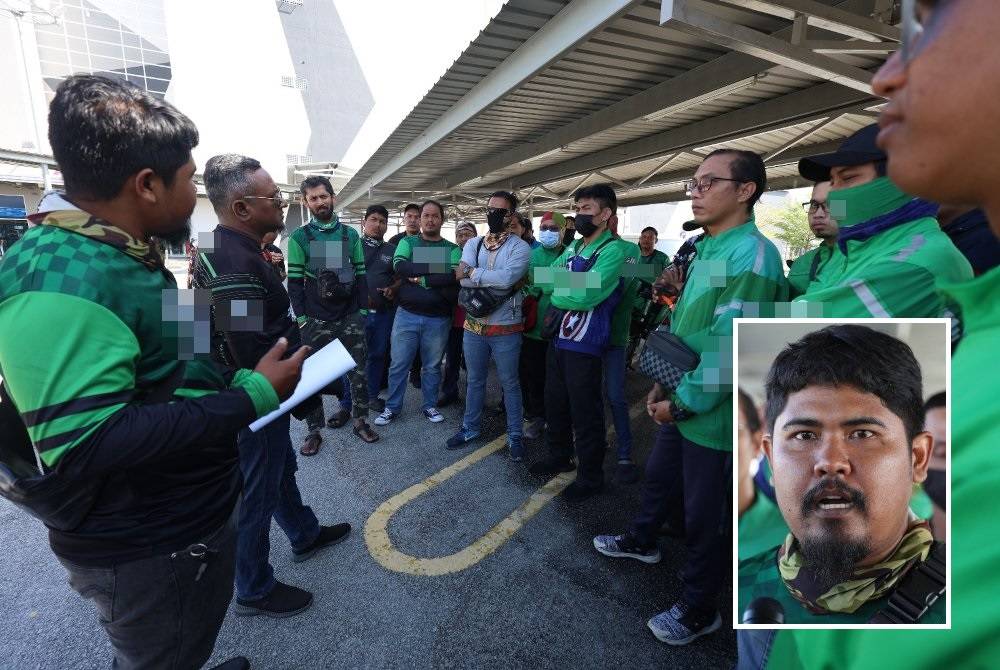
{"points": [[939, 116], [647, 242], [463, 236], [430, 220], [843, 474], [411, 222], [375, 226], [320, 202], [721, 197], [820, 222]]}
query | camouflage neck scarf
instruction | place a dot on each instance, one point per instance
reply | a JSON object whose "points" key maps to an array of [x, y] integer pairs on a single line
{"points": [[82, 223], [865, 584]]}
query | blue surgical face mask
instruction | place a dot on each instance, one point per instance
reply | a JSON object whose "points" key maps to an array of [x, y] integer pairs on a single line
{"points": [[549, 238]]}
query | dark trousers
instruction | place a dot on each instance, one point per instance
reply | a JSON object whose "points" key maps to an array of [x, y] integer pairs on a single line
{"points": [[268, 462], [531, 370], [154, 611], [377, 331], [682, 476], [575, 406], [351, 332], [452, 362]]}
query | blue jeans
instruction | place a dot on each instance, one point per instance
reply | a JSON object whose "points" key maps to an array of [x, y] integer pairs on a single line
{"points": [[412, 333], [378, 327], [268, 463], [506, 353], [614, 386]]}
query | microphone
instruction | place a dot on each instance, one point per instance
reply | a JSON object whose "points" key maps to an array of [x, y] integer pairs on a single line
{"points": [[764, 610]]}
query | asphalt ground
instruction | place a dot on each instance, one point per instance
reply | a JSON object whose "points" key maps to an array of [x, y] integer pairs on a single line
{"points": [[542, 599]]}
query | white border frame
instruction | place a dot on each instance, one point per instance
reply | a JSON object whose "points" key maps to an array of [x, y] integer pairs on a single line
{"points": [[737, 615]]}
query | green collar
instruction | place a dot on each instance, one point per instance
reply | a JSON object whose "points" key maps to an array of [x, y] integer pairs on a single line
{"points": [[325, 226], [708, 241]]}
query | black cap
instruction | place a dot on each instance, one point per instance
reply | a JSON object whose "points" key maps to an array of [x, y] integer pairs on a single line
{"points": [[858, 149], [691, 225]]}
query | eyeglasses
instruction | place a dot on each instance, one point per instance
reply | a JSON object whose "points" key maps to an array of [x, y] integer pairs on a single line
{"points": [[919, 30], [705, 184], [280, 200], [813, 206]]}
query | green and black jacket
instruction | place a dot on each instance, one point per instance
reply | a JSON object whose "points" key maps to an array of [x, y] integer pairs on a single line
{"points": [[84, 349], [324, 245]]}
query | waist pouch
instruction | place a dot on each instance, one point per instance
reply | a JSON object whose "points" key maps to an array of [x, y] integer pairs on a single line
{"points": [[666, 359]]}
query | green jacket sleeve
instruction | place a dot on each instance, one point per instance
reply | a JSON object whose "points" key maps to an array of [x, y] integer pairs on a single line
{"points": [[298, 258], [887, 290], [587, 290], [711, 383]]}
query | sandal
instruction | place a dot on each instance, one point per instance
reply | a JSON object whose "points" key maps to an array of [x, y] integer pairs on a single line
{"points": [[339, 419], [311, 446], [365, 432]]}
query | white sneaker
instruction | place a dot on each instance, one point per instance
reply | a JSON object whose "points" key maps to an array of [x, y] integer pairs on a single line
{"points": [[385, 417], [432, 415]]}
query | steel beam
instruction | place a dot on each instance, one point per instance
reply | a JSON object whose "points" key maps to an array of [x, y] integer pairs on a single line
{"points": [[566, 29], [781, 112], [834, 19], [691, 17]]}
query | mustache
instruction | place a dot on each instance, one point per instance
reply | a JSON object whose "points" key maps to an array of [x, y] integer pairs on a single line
{"points": [[827, 487]]}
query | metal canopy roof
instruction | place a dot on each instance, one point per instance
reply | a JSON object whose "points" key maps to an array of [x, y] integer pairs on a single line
{"points": [[555, 94]]}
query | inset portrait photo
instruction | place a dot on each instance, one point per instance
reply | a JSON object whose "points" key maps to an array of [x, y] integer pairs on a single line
{"points": [[841, 473]]}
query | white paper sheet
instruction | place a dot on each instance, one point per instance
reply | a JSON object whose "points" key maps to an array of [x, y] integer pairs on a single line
{"points": [[329, 363]]}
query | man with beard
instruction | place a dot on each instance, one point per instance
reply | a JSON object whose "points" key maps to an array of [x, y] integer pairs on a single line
{"points": [[326, 282], [250, 311], [846, 444], [143, 443], [808, 267]]}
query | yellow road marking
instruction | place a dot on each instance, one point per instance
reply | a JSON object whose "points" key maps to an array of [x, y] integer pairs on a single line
{"points": [[383, 551], [377, 525]]}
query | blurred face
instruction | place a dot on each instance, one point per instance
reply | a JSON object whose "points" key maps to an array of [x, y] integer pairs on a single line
{"points": [[515, 227], [374, 225], [938, 127], [820, 222], [430, 221], [265, 212], [411, 222], [320, 202], [843, 475], [570, 223], [854, 175], [721, 200], [647, 242], [462, 236], [936, 424]]}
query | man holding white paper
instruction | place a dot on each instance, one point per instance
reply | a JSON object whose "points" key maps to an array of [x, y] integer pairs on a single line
{"points": [[251, 310]]}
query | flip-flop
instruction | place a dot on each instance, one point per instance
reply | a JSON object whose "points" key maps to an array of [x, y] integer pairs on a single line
{"points": [[365, 432], [311, 446]]}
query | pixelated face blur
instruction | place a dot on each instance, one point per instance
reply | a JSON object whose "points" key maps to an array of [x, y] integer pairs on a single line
{"points": [[851, 176], [463, 235], [375, 225], [844, 469], [936, 423], [647, 242], [266, 211], [938, 126], [723, 199], [820, 222], [430, 220], [411, 222], [320, 202]]}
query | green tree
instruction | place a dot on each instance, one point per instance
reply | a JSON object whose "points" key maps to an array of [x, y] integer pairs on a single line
{"points": [[789, 224]]}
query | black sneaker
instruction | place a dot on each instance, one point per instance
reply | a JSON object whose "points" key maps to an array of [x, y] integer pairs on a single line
{"points": [[626, 473], [283, 601], [238, 663], [576, 491], [623, 546], [328, 536], [446, 399], [551, 468]]}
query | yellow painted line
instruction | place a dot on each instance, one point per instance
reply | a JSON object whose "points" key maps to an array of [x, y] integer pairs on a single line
{"points": [[383, 551]]}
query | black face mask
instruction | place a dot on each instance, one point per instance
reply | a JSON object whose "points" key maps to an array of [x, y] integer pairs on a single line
{"points": [[495, 220], [936, 486], [585, 224], [568, 236]]}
